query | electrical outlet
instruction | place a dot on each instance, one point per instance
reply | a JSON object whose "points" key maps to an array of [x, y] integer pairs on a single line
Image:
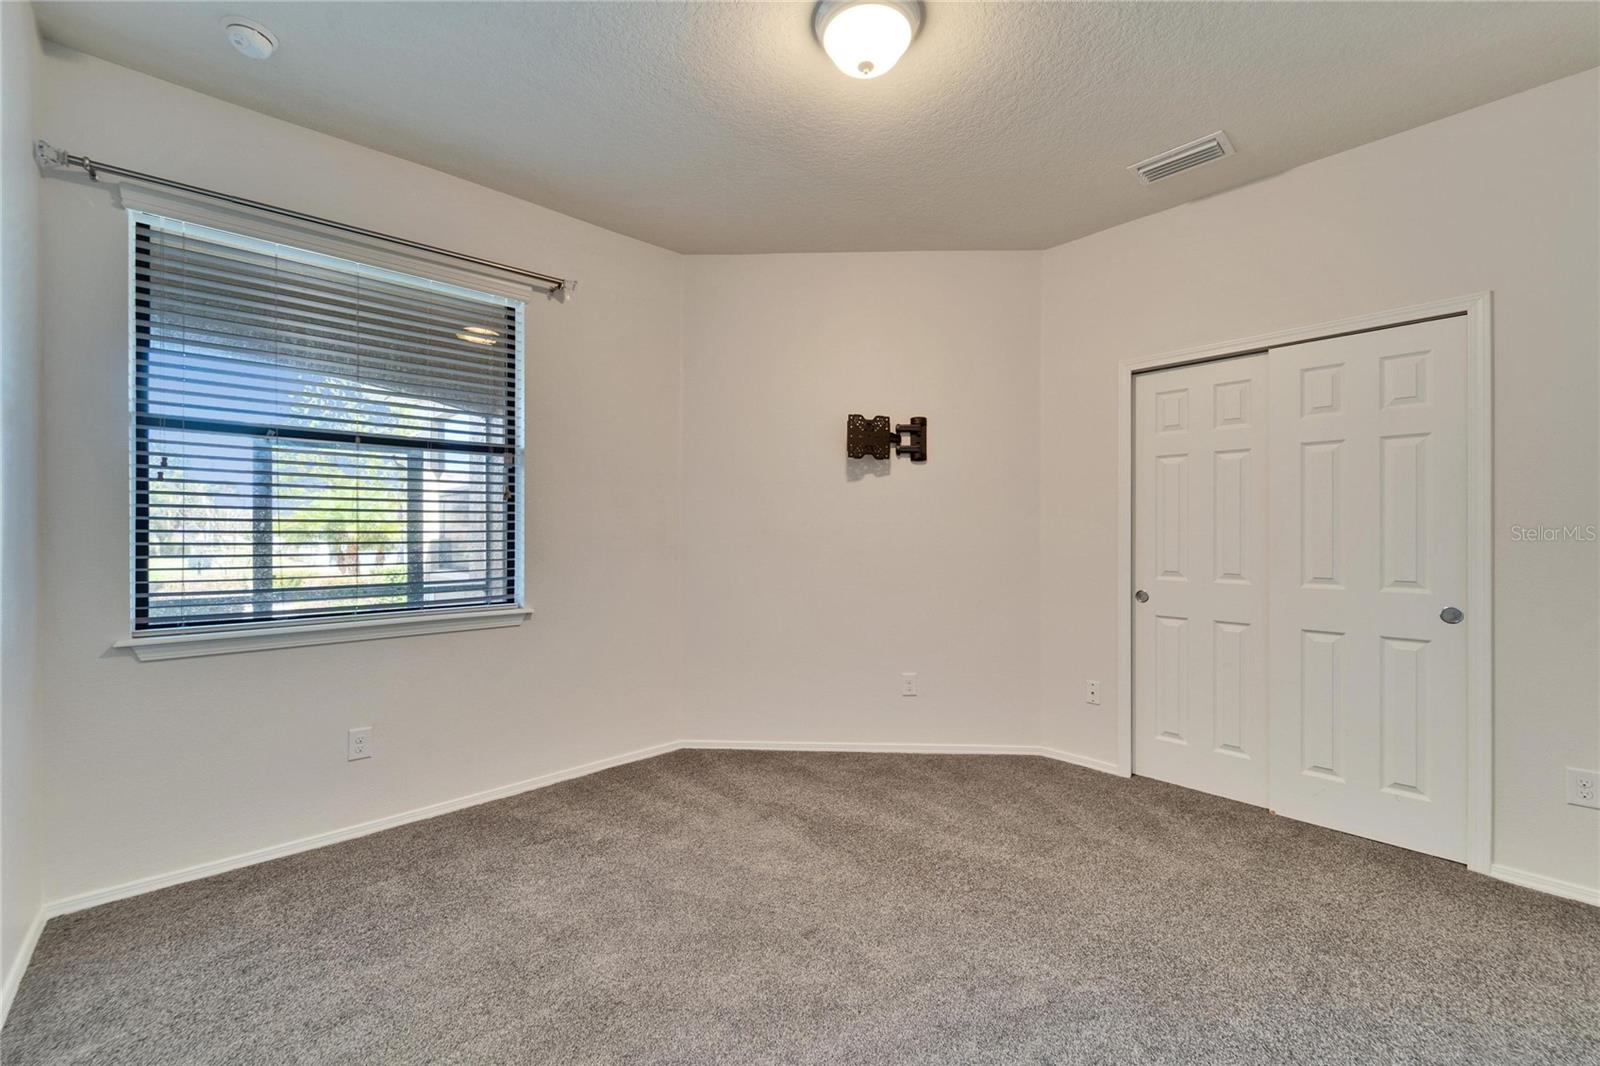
{"points": [[358, 745], [1583, 788], [908, 684], [1092, 693]]}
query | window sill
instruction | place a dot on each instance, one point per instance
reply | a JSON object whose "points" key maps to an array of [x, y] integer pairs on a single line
{"points": [[267, 638]]}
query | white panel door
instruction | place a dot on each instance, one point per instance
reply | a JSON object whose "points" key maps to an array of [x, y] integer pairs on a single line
{"points": [[1368, 521], [1200, 483]]}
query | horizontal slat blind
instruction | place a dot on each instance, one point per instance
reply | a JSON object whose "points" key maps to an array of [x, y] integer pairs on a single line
{"points": [[314, 439]]}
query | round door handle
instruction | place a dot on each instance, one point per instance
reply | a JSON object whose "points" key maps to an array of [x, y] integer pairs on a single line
{"points": [[1142, 596], [1451, 615]]}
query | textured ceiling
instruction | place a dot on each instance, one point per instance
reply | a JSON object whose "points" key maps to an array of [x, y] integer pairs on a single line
{"points": [[722, 127]]}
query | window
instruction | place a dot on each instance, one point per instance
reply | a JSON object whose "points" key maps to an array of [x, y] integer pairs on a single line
{"points": [[314, 439]]}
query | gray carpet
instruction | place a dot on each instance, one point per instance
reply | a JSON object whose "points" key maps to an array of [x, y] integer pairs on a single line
{"points": [[745, 907]]}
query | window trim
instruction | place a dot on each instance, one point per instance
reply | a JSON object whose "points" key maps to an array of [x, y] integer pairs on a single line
{"points": [[216, 639], [264, 636]]}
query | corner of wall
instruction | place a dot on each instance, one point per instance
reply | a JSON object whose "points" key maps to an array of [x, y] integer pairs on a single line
{"points": [[681, 726], [21, 882]]}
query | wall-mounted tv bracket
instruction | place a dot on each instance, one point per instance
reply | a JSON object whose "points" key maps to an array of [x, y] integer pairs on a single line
{"points": [[864, 437], [916, 447]]}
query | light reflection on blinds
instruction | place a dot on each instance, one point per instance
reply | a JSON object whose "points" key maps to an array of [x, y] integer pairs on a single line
{"points": [[314, 439]]}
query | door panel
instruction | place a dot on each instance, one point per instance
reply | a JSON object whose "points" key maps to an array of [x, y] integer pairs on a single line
{"points": [[1200, 480], [1368, 516]]}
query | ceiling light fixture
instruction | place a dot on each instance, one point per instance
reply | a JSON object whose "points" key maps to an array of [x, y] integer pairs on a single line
{"points": [[866, 38], [250, 38]]}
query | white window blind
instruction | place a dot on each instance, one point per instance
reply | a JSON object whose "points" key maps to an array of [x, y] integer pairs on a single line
{"points": [[314, 439]]}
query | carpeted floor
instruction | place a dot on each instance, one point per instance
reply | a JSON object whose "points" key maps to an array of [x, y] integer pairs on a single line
{"points": [[751, 907]]}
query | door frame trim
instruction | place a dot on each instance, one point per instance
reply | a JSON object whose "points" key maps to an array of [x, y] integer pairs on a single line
{"points": [[1478, 310]]}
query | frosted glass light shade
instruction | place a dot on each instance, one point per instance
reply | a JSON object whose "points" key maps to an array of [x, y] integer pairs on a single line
{"points": [[865, 38]]}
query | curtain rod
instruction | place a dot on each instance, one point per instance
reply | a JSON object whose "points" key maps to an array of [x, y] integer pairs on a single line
{"points": [[49, 156]]}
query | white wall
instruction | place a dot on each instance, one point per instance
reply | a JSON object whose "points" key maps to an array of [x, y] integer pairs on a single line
{"points": [[20, 871], [157, 766], [1502, 198], [809, 592]]}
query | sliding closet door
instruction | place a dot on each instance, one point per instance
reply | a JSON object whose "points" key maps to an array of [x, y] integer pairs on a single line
{"points": [[1200, 564], [1368, 569]]}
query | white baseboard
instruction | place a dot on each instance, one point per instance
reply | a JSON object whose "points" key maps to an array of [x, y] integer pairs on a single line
{"points": [[1087, 761], [885, 747], [1105, 766], [138, 887], [1552, 885], [18, 965]]}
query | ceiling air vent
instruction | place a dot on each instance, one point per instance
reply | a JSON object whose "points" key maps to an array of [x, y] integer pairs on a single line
{"points": [[1183, 157]]}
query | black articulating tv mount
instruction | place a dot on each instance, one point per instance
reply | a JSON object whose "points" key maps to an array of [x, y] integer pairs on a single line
{"points": [[864, 437]]}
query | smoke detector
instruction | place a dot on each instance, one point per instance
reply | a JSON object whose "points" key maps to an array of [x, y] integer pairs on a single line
{"points": [[1184, 157], [250, 39]]}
